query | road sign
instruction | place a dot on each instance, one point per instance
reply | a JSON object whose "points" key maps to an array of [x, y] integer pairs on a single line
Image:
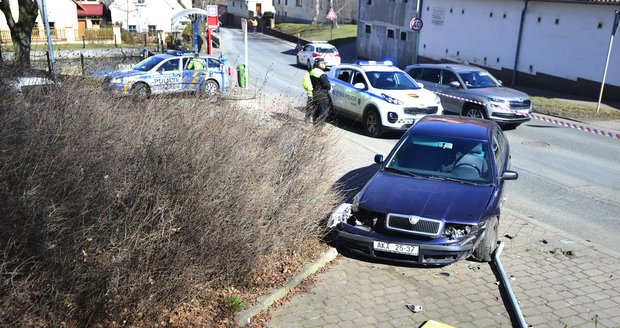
{"points": [[331, 14], [416, 24], [211, 10]]}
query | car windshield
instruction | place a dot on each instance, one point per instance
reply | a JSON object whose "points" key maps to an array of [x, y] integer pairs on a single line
{"points": [[479, 79], [148, 64], [391, 81], [326, 50], [443, 158]]}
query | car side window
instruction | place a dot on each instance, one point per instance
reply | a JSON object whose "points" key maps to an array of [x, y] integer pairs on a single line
{"points": [[213, 63], [358, 77], [344, 75], [171, 65], [308, 48], [499, 150], [431, 75], [415, 73], [185, 62], [447, 77]]}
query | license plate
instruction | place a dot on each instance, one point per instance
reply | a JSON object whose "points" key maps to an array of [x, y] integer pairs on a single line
{"points": [[395, 248]]}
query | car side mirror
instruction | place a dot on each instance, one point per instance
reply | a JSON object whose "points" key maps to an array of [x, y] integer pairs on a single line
{"points": [[378, 158], [510, 175], [455, 84], [421, 85], [359, 85], [500, 82]]}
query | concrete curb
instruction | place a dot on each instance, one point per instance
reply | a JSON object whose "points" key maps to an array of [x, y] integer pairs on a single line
{"points": [[243, 318]]}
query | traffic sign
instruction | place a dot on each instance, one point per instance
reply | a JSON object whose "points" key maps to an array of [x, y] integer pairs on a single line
{"points": [[331, 14], [416, 24]]}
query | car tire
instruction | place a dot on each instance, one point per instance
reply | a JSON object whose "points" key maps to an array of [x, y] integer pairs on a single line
{"points": [[474, 111], [484, 251], [209, 88], [140, 91], [509, 126], [372, 123]]}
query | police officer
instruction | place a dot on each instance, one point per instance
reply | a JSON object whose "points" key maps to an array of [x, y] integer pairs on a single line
{"points": [[196, 63], [320, 91], [306, 83]]}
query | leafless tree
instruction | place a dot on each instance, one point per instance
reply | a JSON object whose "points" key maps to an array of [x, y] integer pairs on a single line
{"points": [[21, 30]]}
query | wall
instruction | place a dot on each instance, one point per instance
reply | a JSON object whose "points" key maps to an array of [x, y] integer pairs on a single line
{"points": [[152, 12], [63, 13], [241, 8], [568, 56], [290, 11]]}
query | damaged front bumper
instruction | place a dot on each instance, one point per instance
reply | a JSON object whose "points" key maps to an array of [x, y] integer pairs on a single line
{"points": [[361, 240]]}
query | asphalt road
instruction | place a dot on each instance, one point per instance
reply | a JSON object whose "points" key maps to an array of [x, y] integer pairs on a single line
{"points": [[568, 179]]}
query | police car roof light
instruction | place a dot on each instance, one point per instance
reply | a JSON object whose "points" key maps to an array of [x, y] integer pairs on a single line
{"points": [[174, 52], [374, 62]]}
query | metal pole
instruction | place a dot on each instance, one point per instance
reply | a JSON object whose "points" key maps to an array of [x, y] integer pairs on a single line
{"points": [[245, 44], [506, 283], [418, 14], [611, 42], [50, 47]]}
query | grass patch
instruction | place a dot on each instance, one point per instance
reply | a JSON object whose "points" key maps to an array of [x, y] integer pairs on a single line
{"points": [[573, 109], [325, 32]]}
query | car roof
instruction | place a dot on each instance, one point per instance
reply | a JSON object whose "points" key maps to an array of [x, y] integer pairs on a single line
{"points": [[455, 67], [453, 126], [181, 54], [370, 68], [321, 44]]}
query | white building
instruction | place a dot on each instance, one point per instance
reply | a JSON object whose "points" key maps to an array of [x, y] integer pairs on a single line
{"points": [[558, 45], [304, 11], [147, 15], [61, 14]]}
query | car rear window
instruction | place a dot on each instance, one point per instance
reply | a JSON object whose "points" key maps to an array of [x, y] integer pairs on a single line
{"points": [[326, 50]]}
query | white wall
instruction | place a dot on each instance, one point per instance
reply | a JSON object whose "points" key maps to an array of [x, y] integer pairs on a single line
{"points": [[241, 7], [151, 12], [63, 13]]}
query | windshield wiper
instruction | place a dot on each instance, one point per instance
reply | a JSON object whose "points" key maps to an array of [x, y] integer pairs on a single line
{"points": [[402, 171], [437, 177]]}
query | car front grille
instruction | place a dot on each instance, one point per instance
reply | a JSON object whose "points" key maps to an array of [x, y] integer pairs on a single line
{"points": [[423, 226], [421, 110], [525, 104]]}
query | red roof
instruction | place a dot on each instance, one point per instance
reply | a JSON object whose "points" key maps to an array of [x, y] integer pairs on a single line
{"points": [[90, 10]]}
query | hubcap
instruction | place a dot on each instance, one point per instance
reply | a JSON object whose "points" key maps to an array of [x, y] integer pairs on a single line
{"points": [[371, 124], [474, 113]]}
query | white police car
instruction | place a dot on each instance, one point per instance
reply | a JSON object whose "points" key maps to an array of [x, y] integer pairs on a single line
{"points": [[168, 73], [381, 95]]}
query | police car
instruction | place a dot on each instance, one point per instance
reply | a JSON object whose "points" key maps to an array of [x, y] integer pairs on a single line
{"points": [[168, 73], [381, 95]]}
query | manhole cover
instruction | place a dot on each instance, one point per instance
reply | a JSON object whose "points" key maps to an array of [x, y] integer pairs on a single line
{"points": [[536, 143]]}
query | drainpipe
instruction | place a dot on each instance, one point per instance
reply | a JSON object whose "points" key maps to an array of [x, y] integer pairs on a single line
{"points": [[514, 70]]}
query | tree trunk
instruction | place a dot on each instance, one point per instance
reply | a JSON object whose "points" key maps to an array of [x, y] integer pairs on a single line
{"points": [[21, 30]]}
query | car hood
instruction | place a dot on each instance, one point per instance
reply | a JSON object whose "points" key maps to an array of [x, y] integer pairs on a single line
{"points": [[125, 73], [452, 201], [499, 92], [415, 97]]}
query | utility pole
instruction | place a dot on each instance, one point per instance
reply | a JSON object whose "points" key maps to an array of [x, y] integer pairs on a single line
{"points": [[611, 42], [50, 47]]}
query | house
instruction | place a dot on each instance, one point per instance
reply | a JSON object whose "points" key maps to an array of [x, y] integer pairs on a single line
{"points": [[559, 45], [147, 15], [238, 9], [61, 15], [307, 11], [91, 15]]}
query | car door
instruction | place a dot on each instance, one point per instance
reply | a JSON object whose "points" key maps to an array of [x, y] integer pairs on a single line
{"points": [[340, 87], [305, 54], [451, 98], [352, 102], [168, 76]]}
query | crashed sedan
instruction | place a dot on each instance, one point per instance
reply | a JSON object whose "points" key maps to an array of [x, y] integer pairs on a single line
{"points": [[436, 198]]}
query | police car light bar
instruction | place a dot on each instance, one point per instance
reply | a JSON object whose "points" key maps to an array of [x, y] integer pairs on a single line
{"points": [[174, 52], [374, 62]]}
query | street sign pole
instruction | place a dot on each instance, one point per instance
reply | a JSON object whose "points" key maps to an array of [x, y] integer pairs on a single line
{"points": [[50, 47], [611, 42]]}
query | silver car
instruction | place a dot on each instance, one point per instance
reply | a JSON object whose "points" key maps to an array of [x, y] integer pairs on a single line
{"points": [[473, 92]]}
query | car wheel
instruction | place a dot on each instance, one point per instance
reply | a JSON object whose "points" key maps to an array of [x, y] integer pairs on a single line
{"points": [[509, 126], [308, 64], [140, 91], [473, 111], [484, 251], [209, 88], [372, 123]]}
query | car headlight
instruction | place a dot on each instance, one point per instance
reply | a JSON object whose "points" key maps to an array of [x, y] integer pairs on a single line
{"points": [[458, 231], [391, 100], [437, 99], [116, 80], [497, 100], [355, 203]]}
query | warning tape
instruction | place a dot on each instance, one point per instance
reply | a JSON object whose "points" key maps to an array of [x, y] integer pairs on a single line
{"points": [[583, 128]]}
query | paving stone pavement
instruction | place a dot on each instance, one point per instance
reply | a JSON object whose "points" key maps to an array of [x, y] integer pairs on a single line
{"points": [[559, 280]]}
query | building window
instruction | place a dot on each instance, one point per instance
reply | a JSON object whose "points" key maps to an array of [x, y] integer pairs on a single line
{"points": [[299, 3], [367, 28], [403, 36], [286, 2], [286, 14], [390, 33], [369, 2], [152, 28], [131, 28], [278, 1]]}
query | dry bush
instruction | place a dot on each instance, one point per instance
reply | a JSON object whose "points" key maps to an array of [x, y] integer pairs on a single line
{"points": [[112, 209]]}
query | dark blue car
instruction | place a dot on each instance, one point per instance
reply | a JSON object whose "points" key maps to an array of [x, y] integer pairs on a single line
{"points": [[436, 198]]}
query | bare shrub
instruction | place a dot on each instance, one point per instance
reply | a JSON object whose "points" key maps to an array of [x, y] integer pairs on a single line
{"points": [[110, 209]]}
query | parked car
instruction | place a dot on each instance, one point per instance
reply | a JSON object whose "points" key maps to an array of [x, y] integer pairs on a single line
{"points": [[315, 49], [380, 95], [168, 73], [473, 92], [436, 198]]}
